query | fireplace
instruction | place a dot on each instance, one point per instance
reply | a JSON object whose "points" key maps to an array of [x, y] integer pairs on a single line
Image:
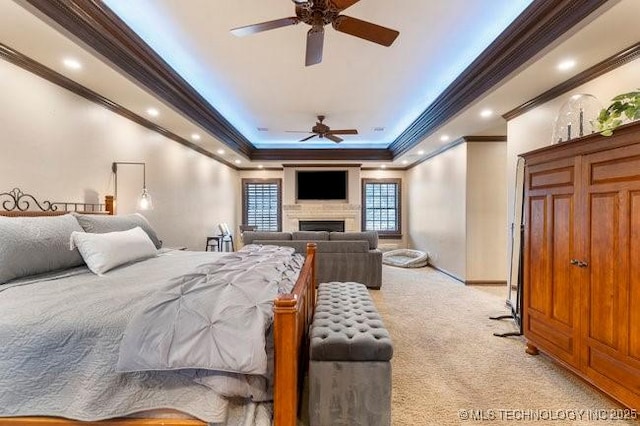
{"points": [[322, 225]]}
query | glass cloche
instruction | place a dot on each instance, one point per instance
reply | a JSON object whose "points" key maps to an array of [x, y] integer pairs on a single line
{"points": [[576, 118]]}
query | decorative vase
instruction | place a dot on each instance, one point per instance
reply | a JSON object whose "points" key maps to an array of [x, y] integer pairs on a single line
{"points": [[576, 118]]}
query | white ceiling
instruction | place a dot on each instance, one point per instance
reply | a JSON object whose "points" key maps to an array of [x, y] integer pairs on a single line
{"points": [[261, 81]]}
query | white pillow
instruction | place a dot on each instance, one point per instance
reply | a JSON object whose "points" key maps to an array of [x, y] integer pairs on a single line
{"points": [[102, 252]]}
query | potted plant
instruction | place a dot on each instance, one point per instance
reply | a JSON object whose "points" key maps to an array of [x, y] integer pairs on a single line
{"points": [[623, 107]]}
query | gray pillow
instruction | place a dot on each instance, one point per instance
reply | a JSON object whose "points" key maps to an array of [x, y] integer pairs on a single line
{"points": [[35, 245], [101, 224]]}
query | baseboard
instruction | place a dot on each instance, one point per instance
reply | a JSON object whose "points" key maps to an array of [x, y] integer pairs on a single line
{"points": [[481, 282], [470, 282], [444, 271]]}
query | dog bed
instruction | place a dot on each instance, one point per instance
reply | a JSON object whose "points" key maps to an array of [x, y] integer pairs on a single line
{"points": [[405, 258]]}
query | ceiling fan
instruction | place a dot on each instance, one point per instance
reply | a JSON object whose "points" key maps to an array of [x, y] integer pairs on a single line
{"points": [[319, 13], [323, 131]]}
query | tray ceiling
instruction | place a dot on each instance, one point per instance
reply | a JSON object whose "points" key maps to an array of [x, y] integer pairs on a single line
{"points": [[241, 95], [260, 85]]}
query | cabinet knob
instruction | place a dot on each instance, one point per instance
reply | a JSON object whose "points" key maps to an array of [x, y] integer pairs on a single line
{"points": [[574, 261], [583, 264]]}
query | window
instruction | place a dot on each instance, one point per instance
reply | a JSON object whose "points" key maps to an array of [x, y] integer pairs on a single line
{"points": [[262, 203], [381, 207]]}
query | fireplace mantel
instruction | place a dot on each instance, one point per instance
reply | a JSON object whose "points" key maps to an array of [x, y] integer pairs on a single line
{"points": [[293, 213]]}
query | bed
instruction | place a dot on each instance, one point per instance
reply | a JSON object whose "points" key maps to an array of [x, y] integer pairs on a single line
{"points": [[33, 305]]}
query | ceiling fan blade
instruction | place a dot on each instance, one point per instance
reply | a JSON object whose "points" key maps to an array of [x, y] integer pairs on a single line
{"points": [[264, 26], [365, 30], [342, 132], [315, 41], [342, 4], [333, 138], [307, 138]]}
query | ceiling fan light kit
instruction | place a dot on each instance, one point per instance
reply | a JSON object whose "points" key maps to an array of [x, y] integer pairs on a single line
{"points": [[318, 14]]}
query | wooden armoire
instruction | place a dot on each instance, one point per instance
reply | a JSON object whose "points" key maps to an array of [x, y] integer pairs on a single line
{"points": [[582, 258]]}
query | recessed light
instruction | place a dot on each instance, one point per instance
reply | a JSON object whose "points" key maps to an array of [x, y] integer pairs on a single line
{"points": [[263, 129], [378, 129], [405, 162], [220, 151], [153, 112], [260, 166], [383, 166], [486, 113], [421, 152], [71, 63], [567, 64], [195, 136], [444, 138], [237, 161]]}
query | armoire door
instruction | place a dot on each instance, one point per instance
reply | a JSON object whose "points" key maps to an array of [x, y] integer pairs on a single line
{"points": [[611, 278], [551, 292]]}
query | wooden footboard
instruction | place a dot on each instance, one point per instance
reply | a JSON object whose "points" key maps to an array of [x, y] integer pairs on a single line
{"points": [[293, 315]]}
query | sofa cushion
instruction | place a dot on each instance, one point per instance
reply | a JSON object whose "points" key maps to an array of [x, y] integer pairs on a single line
{"points": [[310, 235], [250, 237], [360, 246], [370, 236], [342, 246]]}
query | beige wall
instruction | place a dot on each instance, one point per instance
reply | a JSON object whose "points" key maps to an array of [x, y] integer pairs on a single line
{"points": [[457, 211], [289, 188], [59, 146], [534, 129], [486, 211], [436, 195], [355, 191]]}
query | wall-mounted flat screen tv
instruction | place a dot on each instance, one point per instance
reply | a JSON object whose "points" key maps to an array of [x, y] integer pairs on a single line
{"points": [[321, 185]]}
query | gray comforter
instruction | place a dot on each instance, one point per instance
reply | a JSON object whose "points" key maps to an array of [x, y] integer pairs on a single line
{"points": [[214, 318], [60, 338]]}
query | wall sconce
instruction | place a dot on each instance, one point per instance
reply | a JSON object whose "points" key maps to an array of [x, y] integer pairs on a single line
{"points": [[144, 200]]}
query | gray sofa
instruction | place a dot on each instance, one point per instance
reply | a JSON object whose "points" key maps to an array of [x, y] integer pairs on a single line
{"points": [[342, 256]]}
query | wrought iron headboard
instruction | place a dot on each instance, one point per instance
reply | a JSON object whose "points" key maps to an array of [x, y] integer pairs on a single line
{"points": [[17, 203]]}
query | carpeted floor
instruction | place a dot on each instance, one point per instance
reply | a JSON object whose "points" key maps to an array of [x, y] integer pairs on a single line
{"points": [[447, 360]]}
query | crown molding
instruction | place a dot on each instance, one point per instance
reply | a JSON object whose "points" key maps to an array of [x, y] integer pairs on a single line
{"points": [[493, 138], [324, 165], [541, 24], [34, 67], [322, 154], [454, 143], [94, 25], [621, 58]]}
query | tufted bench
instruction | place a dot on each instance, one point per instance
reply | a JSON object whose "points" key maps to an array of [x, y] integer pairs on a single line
{"points": [[349, 368]]}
